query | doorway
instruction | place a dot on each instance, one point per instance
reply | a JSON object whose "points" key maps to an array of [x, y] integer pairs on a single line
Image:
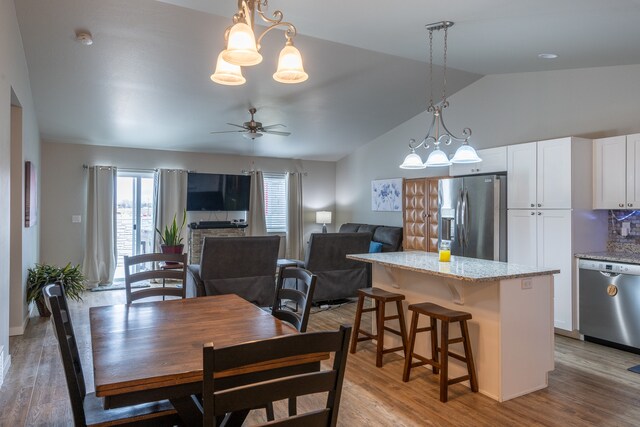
{"points": [[134, 216]]}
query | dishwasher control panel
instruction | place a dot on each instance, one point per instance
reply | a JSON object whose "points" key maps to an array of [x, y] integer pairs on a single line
{"points": [[611, 267]]}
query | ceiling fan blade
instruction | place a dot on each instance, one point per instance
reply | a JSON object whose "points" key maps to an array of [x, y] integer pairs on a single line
{"points": [[273, 126], [275, 132], [238, 126], [228, 131]]}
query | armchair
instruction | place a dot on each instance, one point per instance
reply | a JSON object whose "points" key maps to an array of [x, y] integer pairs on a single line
{"points": [[338, 277], [245, 266]]}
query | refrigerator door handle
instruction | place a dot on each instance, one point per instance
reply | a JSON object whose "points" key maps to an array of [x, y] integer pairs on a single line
{"points": [[459, 219], [466, 217]]}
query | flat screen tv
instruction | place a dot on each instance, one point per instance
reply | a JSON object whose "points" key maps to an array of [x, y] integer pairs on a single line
{"points": [[218, 192]]}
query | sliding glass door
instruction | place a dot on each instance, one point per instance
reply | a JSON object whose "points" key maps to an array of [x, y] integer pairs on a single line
{"points": [[134, 216]]}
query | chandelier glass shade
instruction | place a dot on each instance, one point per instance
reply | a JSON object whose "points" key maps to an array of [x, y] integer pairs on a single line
{"points": [[243, 47], [227, 74], [465, 153]]}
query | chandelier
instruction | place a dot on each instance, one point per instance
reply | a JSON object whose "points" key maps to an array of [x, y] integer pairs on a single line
{"points": [[242, 47], [465, 153]]}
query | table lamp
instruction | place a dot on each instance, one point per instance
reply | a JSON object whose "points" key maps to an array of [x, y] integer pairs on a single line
{"points": [[324, 218]]}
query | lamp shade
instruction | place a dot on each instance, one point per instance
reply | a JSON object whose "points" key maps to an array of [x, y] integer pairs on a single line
{"points": [[466, 154], [290, 68], [241, 46], [227, 74], [437, 158], [323, 217], [412, 161]]}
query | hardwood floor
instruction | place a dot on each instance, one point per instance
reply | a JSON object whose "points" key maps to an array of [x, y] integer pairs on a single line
{"points": [[590, 385]]}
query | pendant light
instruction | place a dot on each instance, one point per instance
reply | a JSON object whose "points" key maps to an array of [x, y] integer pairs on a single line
{"points": [[243, 48], [465, 153]]}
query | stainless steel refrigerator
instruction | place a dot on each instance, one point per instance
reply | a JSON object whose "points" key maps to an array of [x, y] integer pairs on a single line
{"points": [[472, 214]]}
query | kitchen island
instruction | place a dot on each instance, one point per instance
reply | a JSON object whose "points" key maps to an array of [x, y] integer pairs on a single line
{"points": [[512, 308]]}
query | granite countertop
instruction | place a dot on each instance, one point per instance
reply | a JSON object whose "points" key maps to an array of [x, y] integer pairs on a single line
{"points": [[461, 268], [628, 257]]}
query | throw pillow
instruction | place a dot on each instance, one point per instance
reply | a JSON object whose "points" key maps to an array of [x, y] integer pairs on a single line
{"points": [[375, 247]]}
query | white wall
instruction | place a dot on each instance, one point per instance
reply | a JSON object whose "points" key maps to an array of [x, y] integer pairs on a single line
{"points": [[64, 186], [14, 76], [500, 109]]}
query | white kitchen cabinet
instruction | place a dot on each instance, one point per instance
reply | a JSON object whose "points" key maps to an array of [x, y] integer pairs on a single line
{"points": [[493, 160], [521, 176], [616, 172], [610, 163], [542, 238], [550, 217], [540, 173]]}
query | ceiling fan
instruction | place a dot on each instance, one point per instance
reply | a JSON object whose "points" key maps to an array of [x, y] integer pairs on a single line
{"points": [[253, 129]]}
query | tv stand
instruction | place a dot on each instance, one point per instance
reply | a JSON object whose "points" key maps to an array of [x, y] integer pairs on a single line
{"points": [[199, 231]]}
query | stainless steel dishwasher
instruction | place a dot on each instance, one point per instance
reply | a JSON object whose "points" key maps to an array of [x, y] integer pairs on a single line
{"points": [[609, 302]]}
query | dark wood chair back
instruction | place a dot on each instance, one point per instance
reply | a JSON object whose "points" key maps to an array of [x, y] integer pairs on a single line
{"points": [[161, 268], [260, 393], [302, 295], [56, 301]]}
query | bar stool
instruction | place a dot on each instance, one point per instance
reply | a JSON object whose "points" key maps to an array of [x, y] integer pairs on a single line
{"points": [[381, 298], [440, 356]]}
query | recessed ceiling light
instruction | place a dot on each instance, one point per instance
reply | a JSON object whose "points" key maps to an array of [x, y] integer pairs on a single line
{"points": [[84, 38], [547, 56]]}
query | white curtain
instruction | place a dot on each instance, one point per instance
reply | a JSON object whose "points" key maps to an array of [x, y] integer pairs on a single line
{"points": [[99, 263], [171, 199], [257, 221], [294, 218]]}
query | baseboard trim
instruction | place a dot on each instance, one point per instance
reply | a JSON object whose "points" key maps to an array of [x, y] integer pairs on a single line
{"points": [[19, 330]]}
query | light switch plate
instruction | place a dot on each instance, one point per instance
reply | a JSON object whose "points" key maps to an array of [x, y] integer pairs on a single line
{"points": [[76, 219]]}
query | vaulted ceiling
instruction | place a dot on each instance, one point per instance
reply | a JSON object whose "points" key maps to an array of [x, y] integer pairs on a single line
{"points": [[145, 80]]}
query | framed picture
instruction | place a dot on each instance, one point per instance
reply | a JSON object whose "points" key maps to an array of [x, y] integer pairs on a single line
{"points": [[30, 195], [386, 195]]}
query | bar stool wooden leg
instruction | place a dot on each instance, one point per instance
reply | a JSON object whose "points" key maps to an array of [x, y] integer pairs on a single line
{"points": [[444, 364], [434, 344], [412, 341], [380, 332], [471, 367], [356, 324], [403, 327]]}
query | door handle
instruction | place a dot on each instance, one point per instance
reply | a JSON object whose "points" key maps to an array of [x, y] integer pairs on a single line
{"points": [[459, 219], [467, 216]]}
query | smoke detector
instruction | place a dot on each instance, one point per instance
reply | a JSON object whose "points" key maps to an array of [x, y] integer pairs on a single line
{"points": [[84, 37]]}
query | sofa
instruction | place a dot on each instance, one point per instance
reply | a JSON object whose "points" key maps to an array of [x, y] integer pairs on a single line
{"points": [[390, 237], [245, 266], [337, 276]]}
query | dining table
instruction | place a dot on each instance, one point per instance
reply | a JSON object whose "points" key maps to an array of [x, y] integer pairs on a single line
{"points": [[151, 351]]}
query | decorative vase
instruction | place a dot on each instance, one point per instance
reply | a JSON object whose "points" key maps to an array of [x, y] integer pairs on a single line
{"points": [[172, 249], [42, 308]]}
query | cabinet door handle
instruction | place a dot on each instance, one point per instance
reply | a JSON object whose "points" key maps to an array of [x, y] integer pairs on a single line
{"points": [[539, 205], [621, 205], [533, 213], [539, 213], [630, 204], [532, 205]]}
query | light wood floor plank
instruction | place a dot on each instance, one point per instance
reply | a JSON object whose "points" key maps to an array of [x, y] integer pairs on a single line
{"points": [[589, 387]]}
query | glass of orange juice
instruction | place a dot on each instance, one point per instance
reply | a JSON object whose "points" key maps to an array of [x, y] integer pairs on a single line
{"points": [[445, 251]]}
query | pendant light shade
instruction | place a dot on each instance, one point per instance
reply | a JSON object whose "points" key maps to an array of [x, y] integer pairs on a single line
{"points": [[466, 154], [437, 158], [227, 74], [241, 47], [290, 68], [412, 161]]}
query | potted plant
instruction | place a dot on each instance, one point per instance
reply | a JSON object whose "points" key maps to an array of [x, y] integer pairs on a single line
{"points": [[171, 236], [41, 275]]}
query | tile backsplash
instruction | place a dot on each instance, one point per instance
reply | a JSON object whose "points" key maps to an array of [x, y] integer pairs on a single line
{"points": [[616, 242]]}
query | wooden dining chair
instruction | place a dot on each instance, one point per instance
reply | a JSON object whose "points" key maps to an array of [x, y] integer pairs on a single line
{"points": [[162, 267], [302, 295], [258, 393], [87, 407]]}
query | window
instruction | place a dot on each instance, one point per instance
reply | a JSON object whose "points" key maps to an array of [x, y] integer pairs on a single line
{"points": [[275, 202]]}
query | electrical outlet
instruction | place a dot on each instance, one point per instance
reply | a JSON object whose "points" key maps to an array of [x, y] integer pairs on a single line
{"points": [[526, 284], [76, 219], [626, 229]]}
